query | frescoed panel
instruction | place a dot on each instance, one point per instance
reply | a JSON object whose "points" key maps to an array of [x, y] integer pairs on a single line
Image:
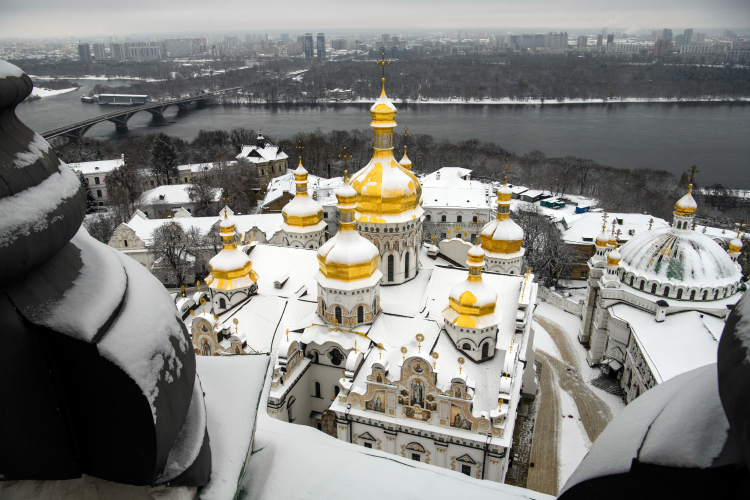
{"points": [[457, 419], [377, 403], [403, 397], [417, 393]]}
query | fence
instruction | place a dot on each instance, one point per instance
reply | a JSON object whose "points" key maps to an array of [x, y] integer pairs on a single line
{"points": [[561, 302]]}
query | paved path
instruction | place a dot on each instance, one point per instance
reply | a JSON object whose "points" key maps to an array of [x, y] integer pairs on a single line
{"points": [[595, 413], [543, 476]]}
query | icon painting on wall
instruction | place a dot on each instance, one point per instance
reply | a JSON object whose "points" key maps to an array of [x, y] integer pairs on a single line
{"points": [[377, 403], [417, 393], [457, 420]]}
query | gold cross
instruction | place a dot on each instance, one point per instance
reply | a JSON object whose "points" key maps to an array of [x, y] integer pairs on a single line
{"points": [[405, 135], [345, 157], [604, 223], [692, 171], [299, 147], [383, 63], [739, 229], [506, 167], [650, 223], [614, 221]]}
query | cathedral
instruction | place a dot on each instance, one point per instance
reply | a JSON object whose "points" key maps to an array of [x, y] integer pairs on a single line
{"points": [[377, 345], [656, 306]]}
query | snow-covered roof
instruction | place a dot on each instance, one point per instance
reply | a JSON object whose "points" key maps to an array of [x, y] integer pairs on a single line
{"points": [[268, 223], [267, 153], [682, 342], [453, 191], [279, 444], [446, 174], [197, 167], [679, 257], [171, 194], [97, 167], [583, 228]]}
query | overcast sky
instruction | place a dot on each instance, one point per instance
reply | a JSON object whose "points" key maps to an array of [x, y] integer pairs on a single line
{"points": [[85, 18]]}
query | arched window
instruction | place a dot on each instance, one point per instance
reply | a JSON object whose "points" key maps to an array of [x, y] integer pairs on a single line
{"points": [[642, 283], [222, 303], [679, 294], [406, 267], [126, 242], [317, 389], [319, 426], [338, 315], [466, 347], [360, 314], [390, 268], [632, 278], [316, 357], [653, 288], [692, 295], [705, 294], [336, 357], [485, 350], [666, 292], [289, 412]]}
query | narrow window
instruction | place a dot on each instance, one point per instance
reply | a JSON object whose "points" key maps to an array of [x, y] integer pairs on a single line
{"points": [[459, 219], [679, 294], [442, 219], [466, 469], [96, 180], [653, 288], [692, 295], [406, 267], [319, 426], [317, 389], [126, 242], [666, 292], [336, 391], [415, 457], [368, 445], [338, 315], [485, 351], [98, 193], [222, 303], [705, 294], [360, 314], [390, 268], [642, 283]]}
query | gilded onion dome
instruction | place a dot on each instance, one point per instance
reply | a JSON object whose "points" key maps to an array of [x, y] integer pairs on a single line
{"points": [[613, 257], [686, 205], [386, 191], [231, 268], [405, 161], [302, 211], [471, 303], [602, 240], [502, 235], [348, 256], [735, 246]]}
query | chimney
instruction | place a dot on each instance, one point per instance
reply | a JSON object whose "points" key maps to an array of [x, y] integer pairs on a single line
{"points": [[661, 310]]}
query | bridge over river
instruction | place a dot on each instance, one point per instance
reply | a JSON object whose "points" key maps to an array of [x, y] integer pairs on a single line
{"points": [[120, 118]]}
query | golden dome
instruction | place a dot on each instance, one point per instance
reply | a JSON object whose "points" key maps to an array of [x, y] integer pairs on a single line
{"points": [[686, 205], [602, 240], [471, 300], [502, 235], [735, 246], [348, 256], [613, 257], [231, 268], [383, 186], [302, 211]]}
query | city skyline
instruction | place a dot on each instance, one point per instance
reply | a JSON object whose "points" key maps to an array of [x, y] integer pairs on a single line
{"points": [[51, 19]]}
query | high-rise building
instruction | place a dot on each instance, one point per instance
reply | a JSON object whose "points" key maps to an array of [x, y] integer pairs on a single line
{"points": [[661, 47], [84, 52], [384, 39], [99, 52], [599, 40], [583, 41], [688, 36], [666, 34], [309, 48], [119, 51], [285, 38], [610, 39], [321, 46]]}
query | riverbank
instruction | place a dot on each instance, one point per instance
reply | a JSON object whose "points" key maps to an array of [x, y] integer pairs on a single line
{"points": [[42, 92], [498, 102]]}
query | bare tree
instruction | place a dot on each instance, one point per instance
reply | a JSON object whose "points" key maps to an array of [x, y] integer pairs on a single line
{"points": [[101, 226], [124, 188], [175, 252]]}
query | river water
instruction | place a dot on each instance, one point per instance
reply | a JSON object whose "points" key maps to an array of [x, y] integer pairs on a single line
{"points": [[659, 136]]}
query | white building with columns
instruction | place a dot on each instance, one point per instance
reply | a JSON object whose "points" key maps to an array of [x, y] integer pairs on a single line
{"points": [[656, 306]]}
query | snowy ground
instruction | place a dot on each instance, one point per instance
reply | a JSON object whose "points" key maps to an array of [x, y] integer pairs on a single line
{"points": [[566, 359], [42, 92]]}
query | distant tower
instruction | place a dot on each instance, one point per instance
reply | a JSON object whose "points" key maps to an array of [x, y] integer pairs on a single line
{"points": [[84, 52], [384, 39], [308, 49], [321, 52]]}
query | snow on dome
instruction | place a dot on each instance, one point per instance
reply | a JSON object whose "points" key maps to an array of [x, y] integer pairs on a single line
{"points": [[229, 260], [7, 69], [346, 191], [405, 162], [383, 187], [348, 256], [735, 246], [476, 251], [302, 211], [602, 240], [686, 205], [504, 190], [502, 236], [613, 257], [678, 257], [300, 170]]}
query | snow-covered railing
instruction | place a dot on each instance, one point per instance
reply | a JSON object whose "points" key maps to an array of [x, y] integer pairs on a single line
{"points": [[560, 302]]}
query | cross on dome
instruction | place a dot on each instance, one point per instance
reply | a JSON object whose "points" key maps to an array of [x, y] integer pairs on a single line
{"points": [[383, 63]]}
